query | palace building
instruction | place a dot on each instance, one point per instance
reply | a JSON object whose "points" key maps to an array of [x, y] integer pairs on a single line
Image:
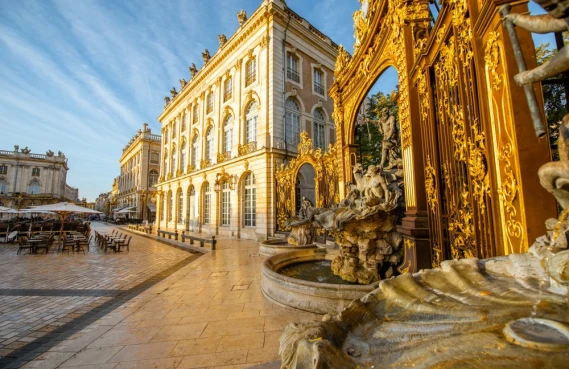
{"points": [[139, 172], [238, 117], [28, 179]]}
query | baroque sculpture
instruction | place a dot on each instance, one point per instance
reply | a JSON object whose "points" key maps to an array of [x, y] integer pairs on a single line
{"points": [[49, 153], [173, 92], [206, 56], [182, 83], [193, 70], [166, 101], [222, 40], [241, 16]]}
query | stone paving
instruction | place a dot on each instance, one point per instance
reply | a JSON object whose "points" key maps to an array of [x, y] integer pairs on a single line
{"points": [[207, 313]]}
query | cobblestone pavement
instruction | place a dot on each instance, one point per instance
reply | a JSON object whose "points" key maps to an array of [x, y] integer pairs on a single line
{"points": [[43, 296], [209, 313]]}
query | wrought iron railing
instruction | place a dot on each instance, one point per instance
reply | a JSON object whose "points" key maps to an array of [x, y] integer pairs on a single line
{"points": [[223, 157], [292, 75], [247, 148], [318, 88]]}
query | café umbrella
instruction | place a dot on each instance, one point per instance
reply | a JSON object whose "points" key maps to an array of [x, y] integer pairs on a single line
{"points": [[64, 209]]}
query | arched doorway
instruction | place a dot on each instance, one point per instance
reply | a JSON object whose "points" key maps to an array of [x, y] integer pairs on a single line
{"points": [[305, 185]]}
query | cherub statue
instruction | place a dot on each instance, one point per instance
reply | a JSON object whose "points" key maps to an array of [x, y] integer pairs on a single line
{"points": [[173, 92], [555, 21], [222, 40], [193, 70], [206, 56]]}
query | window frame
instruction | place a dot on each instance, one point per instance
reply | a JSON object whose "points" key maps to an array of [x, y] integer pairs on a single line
{"points": [[210, 101], [36, 172], [225, 205], [37, 187], [292, 67], [251, 116], [250, 201], [292, 122], [250, 71], [228, 134], [227, 89], [319, 126], [3, 169], [207, 203]]}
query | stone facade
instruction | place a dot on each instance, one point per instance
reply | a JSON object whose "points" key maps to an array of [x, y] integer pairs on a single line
{"points": [[139, 171], [34, 179], [224, 132]]}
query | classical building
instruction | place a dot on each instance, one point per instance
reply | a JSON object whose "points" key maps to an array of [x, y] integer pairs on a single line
{"points": [[28, 179], [140, 166], [239, 116], [101, 202]]}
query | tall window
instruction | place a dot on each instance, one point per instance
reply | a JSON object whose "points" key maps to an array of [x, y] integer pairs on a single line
{"points": [[154, 158], [165, 165], [318, 82], [225, 204], [207, 204], [195, 113], [292, 68], [34, 188], [152, 177], [180, 207], [195, 150], [35, 172], [210, 102], [170, 206], [174, 157], [184, 122], [2, 186], [227, 89], [164, 209], [183, 161], [228, 134], [250, 72], [209, 145], [251, 124], [250, 201], [292, 121], [318, 129], [3, 169]]}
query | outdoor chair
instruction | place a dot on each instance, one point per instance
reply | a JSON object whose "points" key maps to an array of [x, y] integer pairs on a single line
{"points": [[23, 245], [108, 245], [68, 244], [124, 243], [47, 244], [82, 244]]}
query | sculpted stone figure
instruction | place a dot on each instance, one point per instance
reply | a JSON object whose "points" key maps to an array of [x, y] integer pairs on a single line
{"points": [[173, 92], [166, 101], [222, 40], [16, 148], [555, 21], [49, 153], [241, 16], [206, 56], [25, 150], [182, 83], [386, 126], [193, 70]]}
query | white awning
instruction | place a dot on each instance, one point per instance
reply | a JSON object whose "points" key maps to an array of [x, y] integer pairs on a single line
{"points": [[152, 207]]}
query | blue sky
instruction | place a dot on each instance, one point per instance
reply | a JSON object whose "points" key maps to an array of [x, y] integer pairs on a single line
{"points": [[81, 76]]}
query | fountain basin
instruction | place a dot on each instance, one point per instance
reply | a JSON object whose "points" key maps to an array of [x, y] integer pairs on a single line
{"points": [[314, 297], [279, 246]]}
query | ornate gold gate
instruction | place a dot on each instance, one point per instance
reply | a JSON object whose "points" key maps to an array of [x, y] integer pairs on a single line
{"points": [[326, 180], [470, 156]]}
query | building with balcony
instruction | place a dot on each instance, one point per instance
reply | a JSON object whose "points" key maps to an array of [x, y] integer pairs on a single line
{"points": [[139, 172], [28, 179], [239, 116]]}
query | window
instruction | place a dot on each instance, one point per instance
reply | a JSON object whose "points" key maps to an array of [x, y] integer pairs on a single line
{"points": [[195, 113], [250, 201], [210, 102], [174, 157], [164, 209], [183, 162], [227, 89], [318, 82], [209, 145], [228, 134], [251, 123], [173, 130], [171, 206], [207, 204], [165, 165], [195, 150], [35, 172], [225, 204], [3, 186], [180, 207], [292, 68], [184, 122], [292, 121], [250, 72], [3, 169], [34, 188], [152, 178], [154, 158], [318, 129]]}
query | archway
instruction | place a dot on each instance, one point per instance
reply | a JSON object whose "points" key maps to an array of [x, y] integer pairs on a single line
{"points": [[305, 185]]}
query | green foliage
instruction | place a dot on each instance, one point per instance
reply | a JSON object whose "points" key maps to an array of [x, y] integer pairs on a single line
{"points": [[368, 136]]}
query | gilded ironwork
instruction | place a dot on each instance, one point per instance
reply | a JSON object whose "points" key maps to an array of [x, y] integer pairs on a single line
{"points": [[430, 185], [247, 148]]}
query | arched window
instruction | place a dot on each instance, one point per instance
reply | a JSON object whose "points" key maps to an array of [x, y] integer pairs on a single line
{"points": [[180, 207], [250, 72], [195, 151], [173, 130], [209, 145], [227, 89], [152, 177], [165, 165], [183, 162], [164, 208], [228, 134], [292, 121], [318, 129], [225, 204], [3, 186], [207, 204], [174, 157], [170, 206], [251, 124], [34, 188], [250, 201]]}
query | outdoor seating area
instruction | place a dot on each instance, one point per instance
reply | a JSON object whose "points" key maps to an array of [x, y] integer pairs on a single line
{"points": [[70, 242], [113, 241]]}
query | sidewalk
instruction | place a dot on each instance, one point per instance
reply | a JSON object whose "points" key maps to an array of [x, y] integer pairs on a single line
{"points": [[208, 314]]}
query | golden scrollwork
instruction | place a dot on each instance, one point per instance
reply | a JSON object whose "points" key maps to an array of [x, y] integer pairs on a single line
{"points": [[461, 224], [491, 57], [341, 62], [477, 167], [430, 186]]}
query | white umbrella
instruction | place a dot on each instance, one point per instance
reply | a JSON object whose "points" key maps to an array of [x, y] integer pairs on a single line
{"points": [[127, 210], [64, 209]]}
